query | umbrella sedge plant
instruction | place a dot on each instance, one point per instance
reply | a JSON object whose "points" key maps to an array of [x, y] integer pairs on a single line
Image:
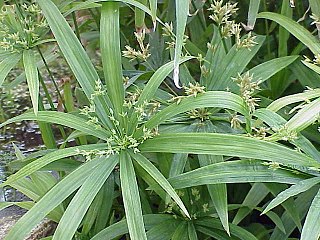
{"points": [[121, 163]]}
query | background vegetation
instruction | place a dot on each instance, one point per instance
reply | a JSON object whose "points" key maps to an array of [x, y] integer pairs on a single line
{"points": [[172, 119]]}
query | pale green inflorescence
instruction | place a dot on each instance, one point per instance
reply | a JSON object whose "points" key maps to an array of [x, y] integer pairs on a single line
{"points": [[247, 88], [119, 141], [143, 54], [21, 27], [221, 15]]}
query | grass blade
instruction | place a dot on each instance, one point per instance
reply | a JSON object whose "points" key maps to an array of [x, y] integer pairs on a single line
{"points": [[131, 198], [111, 53], [235, 62], [51, 200], [64, 119], [153, 8], [121, 227], [311, 227], [81, 201], [265, 70], [232, 172], [160, 179], [32, 76], [295, 29], [305, 117], [252, 14], [181, 22], [7, 64], [217, 99], [49, 158], [220, 144], [218, 192], [292, 191], [76, 57]]}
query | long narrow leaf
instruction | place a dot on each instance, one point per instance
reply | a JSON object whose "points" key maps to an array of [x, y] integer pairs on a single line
{"points": [[311, 227], [232, 172], [295, 29], [292, 191], [111, 53], [32, 76], [7, 64], [231, 145], [181, 22], [217, 99], [160, 179], [76, 57], [64, 119], [81, 201], [131, 198], [52, 199], [49, 158]]}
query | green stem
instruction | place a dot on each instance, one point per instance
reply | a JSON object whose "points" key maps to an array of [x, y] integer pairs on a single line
{"points": [[51, 77], [46, 92], [76, 27]]}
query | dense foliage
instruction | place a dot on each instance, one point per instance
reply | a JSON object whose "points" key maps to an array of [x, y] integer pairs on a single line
{"points": [[190, 119]]}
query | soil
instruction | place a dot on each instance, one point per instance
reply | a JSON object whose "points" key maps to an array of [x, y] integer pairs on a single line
{"points": [[9, 216]]}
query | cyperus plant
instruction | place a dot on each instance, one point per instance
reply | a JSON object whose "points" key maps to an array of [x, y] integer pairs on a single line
{"points": [[151, 159]]}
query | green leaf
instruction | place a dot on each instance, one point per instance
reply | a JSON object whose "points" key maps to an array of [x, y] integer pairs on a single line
{"points": [[234, 230], [312, 66], [130, 2], [153, 8], [230, 145], [131, 198], [181, 231], [156, 79], [303, 201], [218, 192], [292, 191], [49, 158], [7, 64], [216, 99], [256, 194], [52, 199], [111, 53], [181, 22], [295, 29], [121, 228], [294, 98], [192, 231], [265, 70], [163, 230], [159, 178], [305, 117], [232, 172], [81, 201], [76, 57], [311, 227], [139, 16], [105, 208], [232, 65], [32, 76], [252, 13], [64, 119]]}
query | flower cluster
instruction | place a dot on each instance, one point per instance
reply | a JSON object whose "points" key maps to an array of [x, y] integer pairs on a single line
{"points": [[247, 89], [89, 111], [21, 26], [141, 54], [168, 32], [221, 14], [194, 89]]}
